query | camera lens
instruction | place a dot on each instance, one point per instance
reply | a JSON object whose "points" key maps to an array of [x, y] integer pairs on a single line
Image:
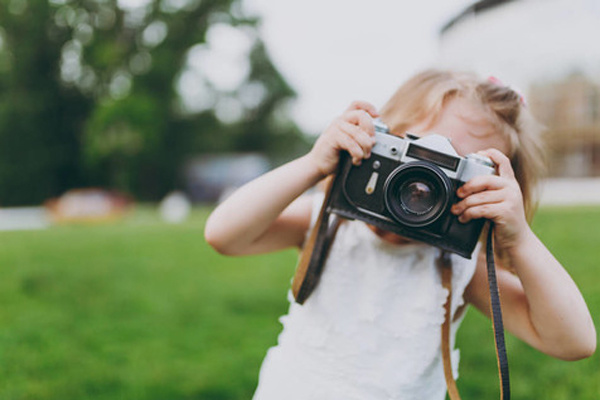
{"points": [[417, 197], [417, 193]]}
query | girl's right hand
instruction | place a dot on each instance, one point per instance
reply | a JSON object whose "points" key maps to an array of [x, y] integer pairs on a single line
{"points": [[353, 131]]}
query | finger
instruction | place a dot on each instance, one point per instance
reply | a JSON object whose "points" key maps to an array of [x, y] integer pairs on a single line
{"points": [[477, 199], [501, 160], [353, 148], [479, 184], [346, 142], [362, 119], [486, 210], [364, 140], [364, 105]]}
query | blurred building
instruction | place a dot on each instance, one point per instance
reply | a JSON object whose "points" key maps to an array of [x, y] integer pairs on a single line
{"points": [[570, 109], [210, 178], [548, 50]]}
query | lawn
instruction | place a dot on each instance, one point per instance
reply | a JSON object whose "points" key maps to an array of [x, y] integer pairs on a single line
{"points": [[145, 310]]}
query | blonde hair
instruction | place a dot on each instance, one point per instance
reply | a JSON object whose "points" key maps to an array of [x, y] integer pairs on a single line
{"points": [[423, 97]]}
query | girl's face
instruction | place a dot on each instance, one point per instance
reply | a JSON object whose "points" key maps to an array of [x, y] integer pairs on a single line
{"points": [[467, 126]]}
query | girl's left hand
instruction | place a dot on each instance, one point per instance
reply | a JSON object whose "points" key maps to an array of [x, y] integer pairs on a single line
{"points": [[495, 197]]}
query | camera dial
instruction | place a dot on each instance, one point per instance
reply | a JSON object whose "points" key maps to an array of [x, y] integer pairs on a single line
{"points": [[481, 160]]}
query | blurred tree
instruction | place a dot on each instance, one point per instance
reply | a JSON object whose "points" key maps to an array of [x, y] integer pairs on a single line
{"points": [[119, 93], [40, 119]]}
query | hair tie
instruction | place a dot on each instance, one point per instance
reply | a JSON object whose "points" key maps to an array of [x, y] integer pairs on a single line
{"points": [[498, 82]]}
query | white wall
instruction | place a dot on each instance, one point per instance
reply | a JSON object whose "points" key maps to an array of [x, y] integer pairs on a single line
{"points": [[526, 41]]}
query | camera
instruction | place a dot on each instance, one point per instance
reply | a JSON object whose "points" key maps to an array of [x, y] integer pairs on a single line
{"points": [[408, 186]]}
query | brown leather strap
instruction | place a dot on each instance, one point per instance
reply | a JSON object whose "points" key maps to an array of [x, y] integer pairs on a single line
{"points": [[444, 263], [314, 253]]}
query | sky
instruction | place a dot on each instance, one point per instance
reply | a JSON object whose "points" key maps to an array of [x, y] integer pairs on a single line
{"points": [[336, 51]]}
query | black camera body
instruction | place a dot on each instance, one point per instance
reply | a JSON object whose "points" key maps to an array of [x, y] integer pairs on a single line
{"points": [[408, 186]]}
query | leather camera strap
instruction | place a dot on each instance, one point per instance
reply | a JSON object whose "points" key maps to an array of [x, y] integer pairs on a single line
{"points": [[496, 313], [444, 263], [314, 252]]}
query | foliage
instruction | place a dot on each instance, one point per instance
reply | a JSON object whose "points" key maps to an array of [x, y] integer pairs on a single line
{"points": [[91, 94], [146, 310]]}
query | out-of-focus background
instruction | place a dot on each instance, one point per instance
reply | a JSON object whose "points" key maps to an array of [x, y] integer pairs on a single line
{"points": [[123, 122]]}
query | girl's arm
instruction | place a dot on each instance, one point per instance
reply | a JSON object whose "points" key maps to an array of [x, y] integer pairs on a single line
{"points": [[264, 214], [258, 217], [541, 304]]}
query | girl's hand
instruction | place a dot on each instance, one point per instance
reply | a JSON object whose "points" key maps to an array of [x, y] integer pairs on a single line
{"points": [[495, 197], [353, 131]]}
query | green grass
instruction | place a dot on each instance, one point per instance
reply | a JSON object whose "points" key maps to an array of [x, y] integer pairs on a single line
{"points": [[145, 310]]}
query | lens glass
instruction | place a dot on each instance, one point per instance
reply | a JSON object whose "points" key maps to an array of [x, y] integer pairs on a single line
{"points": [[418, 197]]}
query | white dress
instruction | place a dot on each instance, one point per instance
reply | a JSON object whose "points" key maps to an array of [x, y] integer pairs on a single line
{"points": [[371, 329]]}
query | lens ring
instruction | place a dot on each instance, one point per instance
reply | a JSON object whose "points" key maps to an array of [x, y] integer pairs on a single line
{"points": [[417, 193]]}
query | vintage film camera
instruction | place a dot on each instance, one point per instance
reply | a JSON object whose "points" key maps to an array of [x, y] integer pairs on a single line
{"points": [[407, 186]]}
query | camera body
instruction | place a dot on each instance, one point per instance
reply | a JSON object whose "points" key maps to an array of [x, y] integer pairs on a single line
{"points": [[408, 186]]}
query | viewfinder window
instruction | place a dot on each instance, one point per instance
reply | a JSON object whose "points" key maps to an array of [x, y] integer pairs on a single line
{"points": [[441, 159]]}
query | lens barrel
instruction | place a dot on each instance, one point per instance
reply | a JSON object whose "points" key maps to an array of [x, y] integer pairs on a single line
{"points": [[417, 193]]}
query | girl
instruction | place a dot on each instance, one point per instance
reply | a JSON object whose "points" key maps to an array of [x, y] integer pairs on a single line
{"points": [[370, 330]]}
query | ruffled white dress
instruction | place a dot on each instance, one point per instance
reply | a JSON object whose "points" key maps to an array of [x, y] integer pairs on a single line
{"points": [[371, 328]]}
